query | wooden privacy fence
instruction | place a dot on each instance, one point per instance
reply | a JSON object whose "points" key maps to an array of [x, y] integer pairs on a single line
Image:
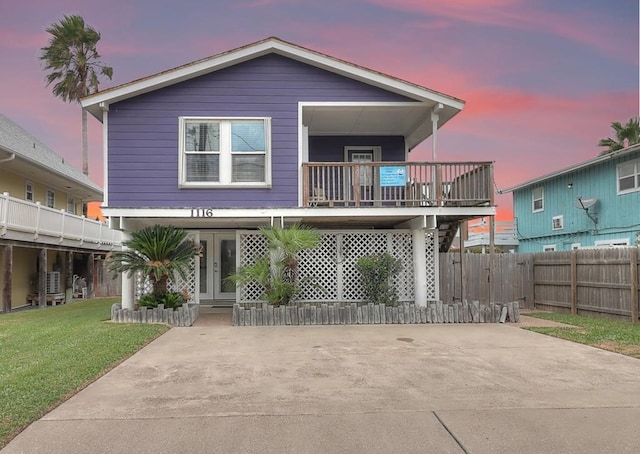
{"points": [[511, 279], [602, 281], [584, 281]]}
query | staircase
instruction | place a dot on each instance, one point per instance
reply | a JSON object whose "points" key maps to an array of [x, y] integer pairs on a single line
{"points": [[446, 233]]}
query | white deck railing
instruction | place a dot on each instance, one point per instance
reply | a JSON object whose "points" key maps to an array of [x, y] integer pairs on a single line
{"points": [[26, 221]]}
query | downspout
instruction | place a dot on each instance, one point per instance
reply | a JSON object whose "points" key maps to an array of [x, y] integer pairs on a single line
{"points": [[10, 158]]}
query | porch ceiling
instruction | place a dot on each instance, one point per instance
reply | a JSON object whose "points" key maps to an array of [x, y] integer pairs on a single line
{"points": [[52, 179], [411, 120]]}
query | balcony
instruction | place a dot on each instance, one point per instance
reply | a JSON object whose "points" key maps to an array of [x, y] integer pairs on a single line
{"points": [[21, 220], [397, 184]]}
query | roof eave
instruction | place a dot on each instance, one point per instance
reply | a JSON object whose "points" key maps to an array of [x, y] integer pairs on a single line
{"points": [[96, 103], [567, 170]]}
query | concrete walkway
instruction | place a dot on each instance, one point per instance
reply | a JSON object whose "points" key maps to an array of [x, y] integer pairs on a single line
{"points": [[359, 389]]}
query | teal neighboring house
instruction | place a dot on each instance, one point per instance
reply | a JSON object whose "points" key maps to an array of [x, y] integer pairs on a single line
{"points": [[595, 203]]}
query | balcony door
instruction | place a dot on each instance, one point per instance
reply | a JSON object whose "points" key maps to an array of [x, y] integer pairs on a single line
{"points": [[217, 262], [368, 189]]}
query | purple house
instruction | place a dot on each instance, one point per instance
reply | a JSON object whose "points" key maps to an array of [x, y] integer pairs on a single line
{"points": [[275, 134]]}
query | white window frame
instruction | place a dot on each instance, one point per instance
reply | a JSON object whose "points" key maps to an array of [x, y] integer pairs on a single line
{"points": [[29, 193], [549, 248], [71, 203], [534, 199], [616, 242], [52, 193], [635, 175], [225, 154], [557, 222], [575, 246]]}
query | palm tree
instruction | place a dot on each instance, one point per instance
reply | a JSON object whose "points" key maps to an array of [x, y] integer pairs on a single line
{"points": [[277, 271], [626, 135], [75, 65], [159, 252]]}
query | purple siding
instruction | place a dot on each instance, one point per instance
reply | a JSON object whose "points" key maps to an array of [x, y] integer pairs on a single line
{"points": [[143, 131], [331, 148]]}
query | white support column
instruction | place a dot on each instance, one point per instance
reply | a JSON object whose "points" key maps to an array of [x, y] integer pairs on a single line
{"points": [[434, 128], [128, 294], [128, 283], [419, 266]]}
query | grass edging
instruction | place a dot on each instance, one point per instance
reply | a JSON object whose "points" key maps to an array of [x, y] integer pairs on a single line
{"points": [[619, 336], [48, 355]]}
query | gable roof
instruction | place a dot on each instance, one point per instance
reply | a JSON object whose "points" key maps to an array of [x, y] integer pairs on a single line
{"points": [[96, 102], [591, 162], [28, 156]]}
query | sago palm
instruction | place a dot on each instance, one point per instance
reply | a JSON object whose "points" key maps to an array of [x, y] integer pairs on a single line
{"points": [[277, 271], [75, 66], [159, 252]]}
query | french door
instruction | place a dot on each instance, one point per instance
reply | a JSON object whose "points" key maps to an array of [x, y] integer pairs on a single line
{"points": [[217, 263]]}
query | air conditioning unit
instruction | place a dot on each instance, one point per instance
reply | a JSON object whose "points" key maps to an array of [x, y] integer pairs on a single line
{"points": [[53, 282]]}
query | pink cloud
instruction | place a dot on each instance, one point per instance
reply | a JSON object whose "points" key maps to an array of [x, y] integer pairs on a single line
{"points": [[578, 26]]}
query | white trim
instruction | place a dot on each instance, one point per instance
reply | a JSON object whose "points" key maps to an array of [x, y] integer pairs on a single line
{"points": [[225, 153], [269, 213], [251, 51], [533, 200], [376, 149], [636, 177], [575, 246], [72, 199], [300, 153], [105, 156], [576, 167], [26, 192], [549, 248], [560, 219], [48, 191], [616, 242]]}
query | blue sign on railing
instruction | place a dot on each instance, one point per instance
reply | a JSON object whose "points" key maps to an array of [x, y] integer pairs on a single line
{"points": [[393, 176]]}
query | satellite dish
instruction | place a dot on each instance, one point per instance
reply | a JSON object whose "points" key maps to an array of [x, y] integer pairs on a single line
{"points": [[586, 202]]}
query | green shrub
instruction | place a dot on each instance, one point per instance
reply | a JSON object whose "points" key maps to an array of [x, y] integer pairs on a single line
{"points": [[171, 300], [277, 271], [376, 275]]}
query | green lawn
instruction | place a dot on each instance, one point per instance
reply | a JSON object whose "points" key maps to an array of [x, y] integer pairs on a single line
{"points": [[614, 335], [46, 355]]}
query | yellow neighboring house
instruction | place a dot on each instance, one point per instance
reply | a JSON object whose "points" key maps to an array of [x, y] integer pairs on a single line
{"points": [[49, 252]]}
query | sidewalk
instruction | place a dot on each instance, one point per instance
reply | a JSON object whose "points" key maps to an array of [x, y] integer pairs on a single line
{"points": [[348, 389]]}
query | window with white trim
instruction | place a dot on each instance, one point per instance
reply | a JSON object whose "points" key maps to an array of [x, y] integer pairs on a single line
{"points": [[557, 222], [619, 242], [71, 204], [537, 202], [575, 246], [28, 191], [51, 199], [225, 151], [549, 248], [629, 176]]}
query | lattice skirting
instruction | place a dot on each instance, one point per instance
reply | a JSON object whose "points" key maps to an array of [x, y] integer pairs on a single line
{"points": [[331, 267], [370, 314]]}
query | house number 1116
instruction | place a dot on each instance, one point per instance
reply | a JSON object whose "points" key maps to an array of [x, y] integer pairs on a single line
{"points": [[202, 212]]}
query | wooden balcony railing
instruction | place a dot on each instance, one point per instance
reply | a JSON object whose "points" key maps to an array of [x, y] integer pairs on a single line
{"points": [[400, 184], [27, 221]]}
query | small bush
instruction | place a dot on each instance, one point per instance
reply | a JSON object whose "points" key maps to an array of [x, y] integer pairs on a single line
{"points": [[376, 275], [171, 300]]}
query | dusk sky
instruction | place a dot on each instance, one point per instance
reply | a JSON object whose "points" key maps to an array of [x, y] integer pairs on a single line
{"points": [[542, 79]]}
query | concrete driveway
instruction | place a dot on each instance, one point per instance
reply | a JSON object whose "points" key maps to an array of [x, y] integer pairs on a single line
{"points": [[338, 389]]}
